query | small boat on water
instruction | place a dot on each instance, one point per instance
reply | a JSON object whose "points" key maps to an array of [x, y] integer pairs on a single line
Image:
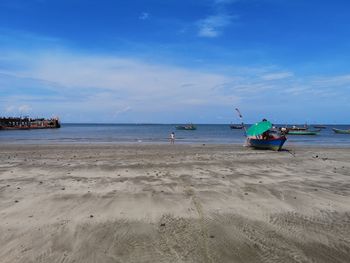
{"points": [[236, 127], [189, 127], [26, 123], [306, 132], [339, 131], [296, 128]]}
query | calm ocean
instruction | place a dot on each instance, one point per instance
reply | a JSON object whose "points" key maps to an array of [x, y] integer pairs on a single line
{"points": [[158, 133]]}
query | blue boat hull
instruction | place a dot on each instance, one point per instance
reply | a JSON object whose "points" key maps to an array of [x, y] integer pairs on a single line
{"points": [[269, 144]]}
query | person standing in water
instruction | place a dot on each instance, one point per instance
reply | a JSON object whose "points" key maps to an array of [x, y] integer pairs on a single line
{"points": [[172, 138]]}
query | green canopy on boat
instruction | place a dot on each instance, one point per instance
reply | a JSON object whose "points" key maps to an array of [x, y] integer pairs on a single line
{"points": [[259, 128]]}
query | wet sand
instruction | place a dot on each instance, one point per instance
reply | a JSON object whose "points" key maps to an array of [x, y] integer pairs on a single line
{"points": [[173, 203]]}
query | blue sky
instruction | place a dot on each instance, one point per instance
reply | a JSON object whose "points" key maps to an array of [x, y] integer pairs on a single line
{"points": [[176, 61]]}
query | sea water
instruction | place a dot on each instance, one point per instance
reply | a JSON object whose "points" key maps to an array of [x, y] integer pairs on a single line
{"points": [[158, 133]]}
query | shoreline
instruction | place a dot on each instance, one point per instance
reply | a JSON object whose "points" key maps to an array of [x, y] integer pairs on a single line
{"points": [[165, 144], [173, 203]]}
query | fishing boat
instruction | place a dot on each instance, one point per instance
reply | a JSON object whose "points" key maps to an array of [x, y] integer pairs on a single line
{"points": [[341, 131], [267, 144], [296, 128], [320, 126], [189, 127], [236, 127], [260, 137], [26, 123], [306, 132]]}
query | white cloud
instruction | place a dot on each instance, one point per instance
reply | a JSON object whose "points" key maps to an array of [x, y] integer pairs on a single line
{"points": [[129, 77], [24, 108], [80, 87], [333, 81], [206, 31], [120, 110], [212, 25], [10, 109], [18, 109], [113, 86], [277, 75], [144, 16]]}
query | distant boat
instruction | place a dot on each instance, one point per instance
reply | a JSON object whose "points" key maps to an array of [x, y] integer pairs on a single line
{"points": [[320, 126], [26, 123], [189, 127], [236, 127], [303, 132], [341, 131], [296, 128], [267, 144]]}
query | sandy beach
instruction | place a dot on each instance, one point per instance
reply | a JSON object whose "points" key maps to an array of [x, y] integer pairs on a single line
{"points": [[173, 203]]}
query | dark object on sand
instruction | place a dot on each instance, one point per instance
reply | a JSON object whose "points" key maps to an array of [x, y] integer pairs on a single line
{"points": [[259, 137], [267, 144]]}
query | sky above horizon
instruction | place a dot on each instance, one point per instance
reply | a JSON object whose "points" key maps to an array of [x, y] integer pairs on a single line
{"points": [[170, 61]]}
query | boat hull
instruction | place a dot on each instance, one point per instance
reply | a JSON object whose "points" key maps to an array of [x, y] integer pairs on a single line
{"points": [[236, 127], [269, 144], [18, 123], [341, 131], [186, 128], [298, 128], [303, 132]]}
